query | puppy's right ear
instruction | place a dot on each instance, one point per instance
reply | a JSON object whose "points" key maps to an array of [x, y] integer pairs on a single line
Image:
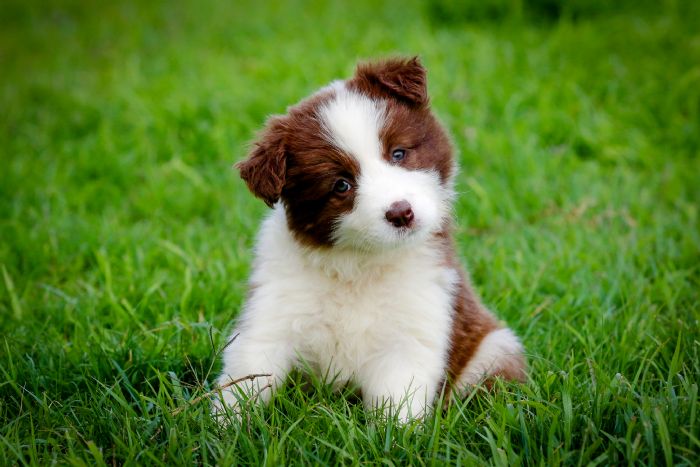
{"points": [[401, 78], [265, 168]]}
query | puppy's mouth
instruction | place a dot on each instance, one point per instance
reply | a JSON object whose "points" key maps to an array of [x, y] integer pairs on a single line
{"points": [[406, 230], [405, 234]]}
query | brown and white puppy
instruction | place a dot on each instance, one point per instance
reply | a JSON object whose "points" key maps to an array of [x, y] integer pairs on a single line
{"points": [[355, 275]]}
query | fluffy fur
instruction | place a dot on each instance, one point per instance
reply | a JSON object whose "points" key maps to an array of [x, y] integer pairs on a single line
{"points": [[355, 276]]}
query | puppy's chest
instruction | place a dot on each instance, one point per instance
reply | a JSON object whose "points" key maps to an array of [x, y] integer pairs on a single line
{"points": [[342, 324]]}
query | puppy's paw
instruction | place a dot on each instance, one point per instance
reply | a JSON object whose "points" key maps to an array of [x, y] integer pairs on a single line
{"points": [[235, 396], [226, 408]]}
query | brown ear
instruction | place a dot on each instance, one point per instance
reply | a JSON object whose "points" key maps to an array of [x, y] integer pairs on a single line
{"points": [[402, 78], [264, 169]]}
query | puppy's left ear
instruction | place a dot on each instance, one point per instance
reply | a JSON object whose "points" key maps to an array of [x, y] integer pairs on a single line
{"points": [[401, 78]]}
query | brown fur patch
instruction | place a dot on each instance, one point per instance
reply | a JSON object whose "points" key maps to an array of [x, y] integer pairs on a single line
{"points": [[471, 323], [418, 132], [292, 161], [313, 167], [471, 320]]}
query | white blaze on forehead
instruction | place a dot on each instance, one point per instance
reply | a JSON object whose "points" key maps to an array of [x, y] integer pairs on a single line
{"points": [[352, 122]]}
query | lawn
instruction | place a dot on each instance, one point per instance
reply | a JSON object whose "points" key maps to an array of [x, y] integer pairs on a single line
{"points": [[125, 236]]}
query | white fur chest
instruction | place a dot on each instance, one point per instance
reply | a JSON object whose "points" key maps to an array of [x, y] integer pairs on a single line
{"points": [[341, 313]]}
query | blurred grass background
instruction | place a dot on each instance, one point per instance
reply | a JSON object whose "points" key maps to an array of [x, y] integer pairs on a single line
{"points": [[125, 236]]}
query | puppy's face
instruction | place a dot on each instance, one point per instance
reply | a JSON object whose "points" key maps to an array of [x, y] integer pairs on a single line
{"points": [[361, 164]]}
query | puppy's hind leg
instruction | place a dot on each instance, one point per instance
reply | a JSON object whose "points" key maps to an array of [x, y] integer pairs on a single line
{"points": [[500, 354]]}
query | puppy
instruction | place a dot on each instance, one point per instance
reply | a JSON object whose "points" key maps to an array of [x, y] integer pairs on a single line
{"points": [[355, 274]]}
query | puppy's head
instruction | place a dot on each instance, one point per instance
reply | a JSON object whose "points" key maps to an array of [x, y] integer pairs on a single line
{"points": [[361, 164]]}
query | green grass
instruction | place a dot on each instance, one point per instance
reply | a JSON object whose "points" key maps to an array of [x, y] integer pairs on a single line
{"points": [[125, 237]]}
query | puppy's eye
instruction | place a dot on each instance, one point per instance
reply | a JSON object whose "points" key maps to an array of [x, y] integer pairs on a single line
{"points": [[342, 186], [397, 155]]}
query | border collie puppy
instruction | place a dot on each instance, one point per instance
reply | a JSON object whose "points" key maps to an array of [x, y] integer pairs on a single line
{"points": [[355, 274]]}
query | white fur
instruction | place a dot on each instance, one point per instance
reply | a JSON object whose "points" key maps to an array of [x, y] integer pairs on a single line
{"points": [[353, 122], [493, 351]]}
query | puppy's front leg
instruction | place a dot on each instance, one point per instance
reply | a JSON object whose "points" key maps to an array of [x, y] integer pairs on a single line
{"points": [[402, 383], [250, 355]]}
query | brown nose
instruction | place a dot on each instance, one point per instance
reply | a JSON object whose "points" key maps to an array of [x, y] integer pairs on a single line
{"points": [[400, 214]]}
